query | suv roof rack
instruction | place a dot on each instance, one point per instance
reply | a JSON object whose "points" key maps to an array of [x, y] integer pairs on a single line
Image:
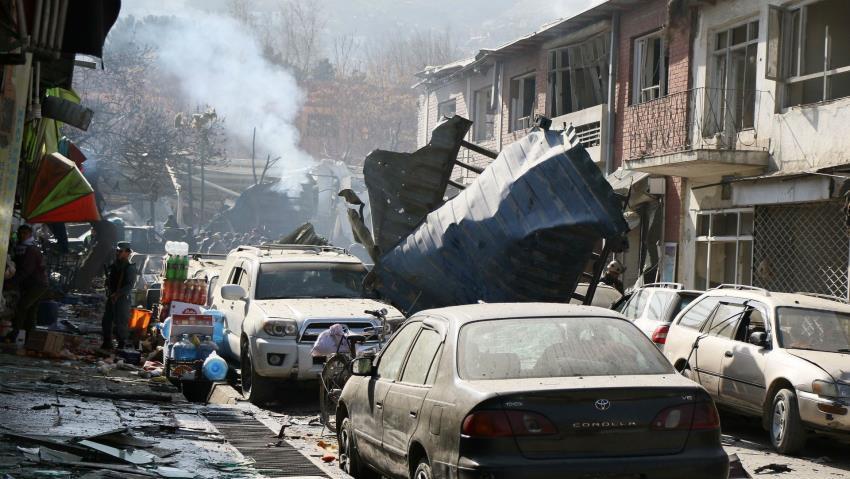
{"points": [[743, 287], [269, 247], [824, 296], [665, 285]]}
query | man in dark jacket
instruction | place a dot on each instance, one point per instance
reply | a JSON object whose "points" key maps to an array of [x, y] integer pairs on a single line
{"points": [[120, 278], [30, 278]]}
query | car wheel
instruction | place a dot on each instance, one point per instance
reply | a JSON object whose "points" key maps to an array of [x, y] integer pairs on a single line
{"points": [[349, 458], [786, 430], [423, 470], [255, 388]]}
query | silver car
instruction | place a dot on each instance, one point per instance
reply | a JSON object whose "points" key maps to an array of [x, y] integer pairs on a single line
{"points": [[653, 307], [782, 357]]}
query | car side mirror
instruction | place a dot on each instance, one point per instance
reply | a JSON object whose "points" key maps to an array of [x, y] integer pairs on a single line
{"points": [[234, 292], [361, 367], [759, 339]]}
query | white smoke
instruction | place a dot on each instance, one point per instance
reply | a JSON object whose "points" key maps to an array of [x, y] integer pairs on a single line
{"points": [[218, 61]]}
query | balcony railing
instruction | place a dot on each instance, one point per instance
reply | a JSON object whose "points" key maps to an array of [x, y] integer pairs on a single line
{"points": [[701, 118]]}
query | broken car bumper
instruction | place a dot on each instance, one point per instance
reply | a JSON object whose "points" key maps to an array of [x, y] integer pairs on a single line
{"points": [[824, 413]]}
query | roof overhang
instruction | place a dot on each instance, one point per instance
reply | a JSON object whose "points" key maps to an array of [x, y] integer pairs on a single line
{"points": [[702, 163]]}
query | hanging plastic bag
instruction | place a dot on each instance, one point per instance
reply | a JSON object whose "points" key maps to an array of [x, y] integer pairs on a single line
{"points": [[331, 341]]}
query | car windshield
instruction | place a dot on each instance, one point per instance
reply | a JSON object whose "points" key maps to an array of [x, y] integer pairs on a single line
{"points": [[310, 280], [813, 329], [555, 347]]}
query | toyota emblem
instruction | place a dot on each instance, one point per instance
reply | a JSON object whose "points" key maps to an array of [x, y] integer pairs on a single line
{"points": [[602, 404]]}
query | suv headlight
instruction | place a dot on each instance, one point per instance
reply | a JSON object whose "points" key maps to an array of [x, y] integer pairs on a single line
{"points": [[280, 327], [830, 389]]}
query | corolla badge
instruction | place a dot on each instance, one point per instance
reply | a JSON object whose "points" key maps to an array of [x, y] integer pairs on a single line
{"points": [[602, 404]]}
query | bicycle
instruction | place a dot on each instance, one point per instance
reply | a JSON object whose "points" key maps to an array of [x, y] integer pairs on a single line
{"points": [[337, 369]]}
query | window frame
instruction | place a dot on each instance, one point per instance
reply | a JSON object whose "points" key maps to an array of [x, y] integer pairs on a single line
{"points": [[441, 107], [434, 359], [638, 47], [719, 94], [480, 129], [556, 106], [711, 239], [377, 363], [517, 123], [788, 52]]}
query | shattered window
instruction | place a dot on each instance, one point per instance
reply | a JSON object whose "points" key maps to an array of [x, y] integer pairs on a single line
{"points": [[447, 109], [578, 76], [731, 96], [484, 115], [807, 51], [523, 98], [650, 68]]}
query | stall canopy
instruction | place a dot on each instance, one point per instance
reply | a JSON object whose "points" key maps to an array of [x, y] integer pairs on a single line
{"points": [[60, 193]]}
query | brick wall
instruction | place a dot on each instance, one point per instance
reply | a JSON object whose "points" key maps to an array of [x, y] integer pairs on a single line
{"points": [[651, 16]]}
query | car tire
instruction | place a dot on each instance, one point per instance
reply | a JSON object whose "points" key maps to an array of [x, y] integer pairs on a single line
{"points": [[349, 458], [423, 470], [786, 429], [255, 388]]}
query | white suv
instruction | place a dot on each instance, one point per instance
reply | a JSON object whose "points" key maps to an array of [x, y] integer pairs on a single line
{"points": [[277, 299]]}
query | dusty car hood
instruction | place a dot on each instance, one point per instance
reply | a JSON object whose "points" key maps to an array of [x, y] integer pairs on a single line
{"points": [[836, 364], [509, 386], [336, 308]]}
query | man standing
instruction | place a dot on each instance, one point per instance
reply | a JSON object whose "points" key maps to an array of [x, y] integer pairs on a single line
{"points": [[612, 276], [120, 279], [30, 278]]}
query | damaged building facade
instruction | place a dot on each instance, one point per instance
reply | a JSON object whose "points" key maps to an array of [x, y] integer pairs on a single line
{"points": [[722, 120]]}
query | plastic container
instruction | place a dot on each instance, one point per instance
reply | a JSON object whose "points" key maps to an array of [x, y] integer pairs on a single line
{"points": [[139, 319], [166, 328], [206, 347], [215, 368], [184, 350], [218, 326]]}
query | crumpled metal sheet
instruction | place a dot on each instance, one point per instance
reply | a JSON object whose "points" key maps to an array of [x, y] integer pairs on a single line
{"points": [[523, 231], [405, 187]]}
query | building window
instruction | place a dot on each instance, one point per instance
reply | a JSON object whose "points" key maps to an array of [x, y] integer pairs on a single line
{"points": [[650, 68], [578, 76], [447, 109], [724, 248], [484, 115], [807, 50], [523, 101], [731, 96]]}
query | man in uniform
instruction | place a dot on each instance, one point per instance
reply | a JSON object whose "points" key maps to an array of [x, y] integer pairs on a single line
{"points": [[120, 278], [31, 280], [612, 276]]}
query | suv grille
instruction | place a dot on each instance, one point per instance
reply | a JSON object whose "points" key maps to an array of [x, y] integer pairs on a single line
{"points": [[314, 329]]}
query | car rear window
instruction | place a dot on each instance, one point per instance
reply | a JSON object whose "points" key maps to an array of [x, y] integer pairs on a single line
{"points": [[555, 347], [659, 303], [682, 302]]}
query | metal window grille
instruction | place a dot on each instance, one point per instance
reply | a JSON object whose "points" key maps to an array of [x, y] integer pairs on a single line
{"points": [[801, 248]]}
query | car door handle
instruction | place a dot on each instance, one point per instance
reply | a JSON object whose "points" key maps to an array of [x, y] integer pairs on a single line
{"points": [[413, 414], [728, 354], [379, 405]]}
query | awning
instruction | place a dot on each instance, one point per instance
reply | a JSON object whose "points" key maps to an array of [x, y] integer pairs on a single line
{"points": [[630, 183], [60, 193], [816, 184]]}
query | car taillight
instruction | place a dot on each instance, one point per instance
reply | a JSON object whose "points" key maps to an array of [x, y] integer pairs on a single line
{"points": [[659, 336], [506, 423], [700, 416]]}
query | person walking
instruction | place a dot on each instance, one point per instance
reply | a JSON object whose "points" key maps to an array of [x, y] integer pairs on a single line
{"points": [[612, 276], [120, 278], [31, 280]]}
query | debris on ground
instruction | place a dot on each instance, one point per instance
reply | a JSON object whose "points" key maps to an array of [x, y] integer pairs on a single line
{"points": [[773, 469]]}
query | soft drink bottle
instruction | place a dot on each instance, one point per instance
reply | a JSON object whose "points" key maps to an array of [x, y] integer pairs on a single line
{"points": [[169, 267], [203, 284], [165, 296]]}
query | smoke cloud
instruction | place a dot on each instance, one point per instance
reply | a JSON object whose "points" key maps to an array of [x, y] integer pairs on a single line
{"points": [[217, 60]]}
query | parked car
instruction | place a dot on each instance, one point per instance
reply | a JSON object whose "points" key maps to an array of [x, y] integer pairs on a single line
{"points": [[782, 357], [277, 299], [584, 393], [653, 307]]}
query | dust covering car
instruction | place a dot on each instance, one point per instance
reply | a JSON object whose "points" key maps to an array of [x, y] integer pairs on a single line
{"points": [[653, 307], [527, 390], [782, 357], [277, 299]]}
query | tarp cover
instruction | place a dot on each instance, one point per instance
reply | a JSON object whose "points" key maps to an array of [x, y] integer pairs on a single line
{"points": [[523, 231]]}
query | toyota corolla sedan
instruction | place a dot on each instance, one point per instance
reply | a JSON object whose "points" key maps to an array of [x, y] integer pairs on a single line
{"points": [[525, 391]]}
